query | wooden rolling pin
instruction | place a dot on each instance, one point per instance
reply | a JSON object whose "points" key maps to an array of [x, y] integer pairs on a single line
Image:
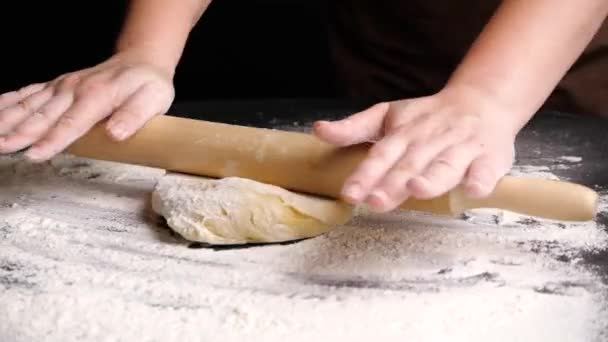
{"points": [[301, 162]]}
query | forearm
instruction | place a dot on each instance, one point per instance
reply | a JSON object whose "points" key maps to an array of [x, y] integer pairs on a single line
{"points": [[157, 30], [526, 48]]}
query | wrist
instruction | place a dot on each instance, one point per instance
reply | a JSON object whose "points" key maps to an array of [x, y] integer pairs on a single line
{"points": [[155, 31], [142, 53], [490, 102]]}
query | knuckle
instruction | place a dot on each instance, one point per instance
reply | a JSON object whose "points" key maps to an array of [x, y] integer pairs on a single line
{"points": [[408, 105], [161, 90], [405, 103], [39, 117], [124, 73], [134, 72], [385, 105], [407, 165], [68, 81], [457, 130], [25, 91], [443, 166], [415, 150], [92, 87], [444, 163], [25, 105], [68, 122], [379, 152], [403, 130], [393, 120], [40, 114]]}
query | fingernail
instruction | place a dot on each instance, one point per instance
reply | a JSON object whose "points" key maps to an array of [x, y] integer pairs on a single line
{"points": [[318, 124], [118, 130], [413, 183], [474, 188], [33, 154], [473, 183], [376, 200], [353, 192], [418, 179], [323, 124]]}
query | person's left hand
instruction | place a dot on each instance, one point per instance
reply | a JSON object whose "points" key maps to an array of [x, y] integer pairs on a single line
{"points": [[425, 147]]}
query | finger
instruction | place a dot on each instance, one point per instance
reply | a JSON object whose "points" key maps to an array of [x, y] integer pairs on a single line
{"points": [[13, 115], [35, 126], [392, 190], [445, 172], [147, 102], [406, 112], [13, 97], [358, 128], [381, 157], [483, 174], [73, 123]]}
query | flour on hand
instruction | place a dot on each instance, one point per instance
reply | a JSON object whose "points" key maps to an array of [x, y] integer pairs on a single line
{"points": [[236, 210]]}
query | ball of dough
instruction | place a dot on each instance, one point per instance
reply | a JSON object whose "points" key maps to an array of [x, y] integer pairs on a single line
{"points": [[236, 210]]}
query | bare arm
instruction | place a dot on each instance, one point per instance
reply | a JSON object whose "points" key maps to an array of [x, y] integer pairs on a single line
{"points": [[465, 133], [157, 30], [127, 89], [526, 49]]}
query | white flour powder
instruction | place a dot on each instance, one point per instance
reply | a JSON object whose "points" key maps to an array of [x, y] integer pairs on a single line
{"points": [[82, 257]]}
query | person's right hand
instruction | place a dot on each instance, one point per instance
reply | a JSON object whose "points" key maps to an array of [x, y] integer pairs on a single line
{"points": [[48, 117]]}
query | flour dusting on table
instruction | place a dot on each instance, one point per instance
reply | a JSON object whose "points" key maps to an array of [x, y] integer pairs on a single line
{"points": [[82, 257]]}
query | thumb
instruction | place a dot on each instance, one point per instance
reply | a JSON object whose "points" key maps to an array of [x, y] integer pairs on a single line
{"points": [[484, 173], [140, 107], [358, 128]]}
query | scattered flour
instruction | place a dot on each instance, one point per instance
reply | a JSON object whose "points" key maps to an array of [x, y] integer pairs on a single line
{"points": [[571, 159], [82, 257], [533, 171]]}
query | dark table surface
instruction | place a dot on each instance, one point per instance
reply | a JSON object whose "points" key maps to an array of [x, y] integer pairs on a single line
{"points": [[81, 250]]}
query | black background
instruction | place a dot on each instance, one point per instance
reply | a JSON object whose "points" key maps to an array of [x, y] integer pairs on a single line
{"points": [[239, 49]]}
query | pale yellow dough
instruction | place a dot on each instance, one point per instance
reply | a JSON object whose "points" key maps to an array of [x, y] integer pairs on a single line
{"points": [[237, 210]]}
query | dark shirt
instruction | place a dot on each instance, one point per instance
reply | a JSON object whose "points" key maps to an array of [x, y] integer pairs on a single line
{"points": [[386, 50]]}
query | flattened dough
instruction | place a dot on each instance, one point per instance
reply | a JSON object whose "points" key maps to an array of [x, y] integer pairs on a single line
{"points": [[237, 210]]}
